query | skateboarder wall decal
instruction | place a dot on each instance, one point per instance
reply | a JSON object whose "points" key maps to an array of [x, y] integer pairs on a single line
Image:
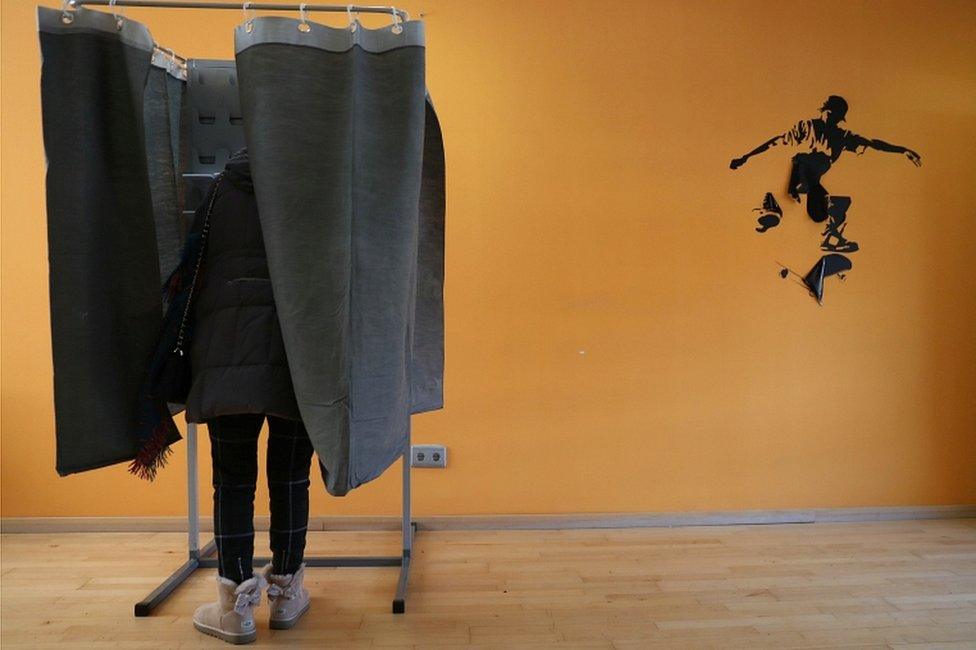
{"points": [[820, 141]]}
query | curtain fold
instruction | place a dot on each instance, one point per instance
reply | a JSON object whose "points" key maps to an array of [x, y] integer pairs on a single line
{"points": [[335, 125], [101, 235], [428, 336], [163, 106], [102, 227]]}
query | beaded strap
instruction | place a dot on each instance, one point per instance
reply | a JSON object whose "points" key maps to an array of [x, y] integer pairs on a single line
{"points": [[196, 271]]}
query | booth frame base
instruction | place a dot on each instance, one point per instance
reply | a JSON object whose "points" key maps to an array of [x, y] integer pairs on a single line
{"points": [[205, 557]]}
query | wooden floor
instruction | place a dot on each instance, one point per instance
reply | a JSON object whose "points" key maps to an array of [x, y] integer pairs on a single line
{"points": [[885, 584]]}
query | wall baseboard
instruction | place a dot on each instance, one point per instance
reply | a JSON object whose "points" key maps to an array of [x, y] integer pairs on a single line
{"points": [[505, 522]]}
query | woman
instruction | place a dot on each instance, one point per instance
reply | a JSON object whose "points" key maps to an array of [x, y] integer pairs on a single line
{"points": [[222, 317]]}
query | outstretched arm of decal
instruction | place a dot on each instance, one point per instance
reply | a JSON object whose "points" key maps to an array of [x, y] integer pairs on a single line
{"points": [[772, 142], [858, 142]]}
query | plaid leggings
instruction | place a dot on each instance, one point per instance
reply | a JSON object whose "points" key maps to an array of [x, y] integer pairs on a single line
{"points": [[234, 450]]}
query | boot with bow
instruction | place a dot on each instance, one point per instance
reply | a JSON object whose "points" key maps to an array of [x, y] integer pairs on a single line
{"points": [[287, 598], [231, 618]]}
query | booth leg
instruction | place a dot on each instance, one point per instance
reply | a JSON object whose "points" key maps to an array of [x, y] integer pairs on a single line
{"points": [[145, 606]]}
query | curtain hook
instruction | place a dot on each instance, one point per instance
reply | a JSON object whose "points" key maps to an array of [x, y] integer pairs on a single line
{"points": [[170, 58], [353, 22], [303, 15], [397, 21], [248, 18], [67, 12], [174, 58], [119, 18]]}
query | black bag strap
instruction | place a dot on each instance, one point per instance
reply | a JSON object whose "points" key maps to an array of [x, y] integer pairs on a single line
{"points": [[205, 230]]}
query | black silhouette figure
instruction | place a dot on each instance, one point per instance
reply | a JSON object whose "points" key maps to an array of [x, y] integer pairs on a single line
{"points": [[825, 141], [769, 213]]}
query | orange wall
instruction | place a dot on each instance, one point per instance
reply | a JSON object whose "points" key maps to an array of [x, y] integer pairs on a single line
{"points": [[591, 208]]}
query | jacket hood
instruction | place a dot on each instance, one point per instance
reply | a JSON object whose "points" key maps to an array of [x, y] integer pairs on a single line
{"points": [[238, 171]]}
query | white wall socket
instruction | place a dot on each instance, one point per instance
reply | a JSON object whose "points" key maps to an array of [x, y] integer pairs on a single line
{"points": [[428, 456]]}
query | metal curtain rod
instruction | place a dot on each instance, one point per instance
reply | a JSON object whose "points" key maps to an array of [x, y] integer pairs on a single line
{"points": [[256, 6]]}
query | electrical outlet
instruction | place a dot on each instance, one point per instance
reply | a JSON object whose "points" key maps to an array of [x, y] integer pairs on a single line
{"points": [[428, 456]]}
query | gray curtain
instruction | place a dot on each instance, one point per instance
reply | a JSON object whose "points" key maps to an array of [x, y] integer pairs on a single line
{"points": [[348, 172], [103, 215], [166, 151], [428, 332], [348, 166]]}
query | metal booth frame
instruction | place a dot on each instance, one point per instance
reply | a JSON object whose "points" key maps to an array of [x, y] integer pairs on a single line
{"points": [[205, 557]]}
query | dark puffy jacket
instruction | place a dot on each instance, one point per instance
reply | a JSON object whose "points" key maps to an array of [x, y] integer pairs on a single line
{"points": [[237, 356]]}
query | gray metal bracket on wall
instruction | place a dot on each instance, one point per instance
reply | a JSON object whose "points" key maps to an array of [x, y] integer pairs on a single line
{"points": [[204, 558]]}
